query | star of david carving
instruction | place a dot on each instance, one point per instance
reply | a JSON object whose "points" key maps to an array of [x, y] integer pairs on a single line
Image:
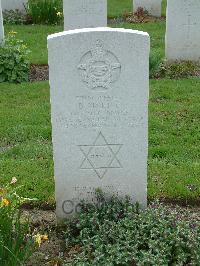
{"points": [[100, 156]]}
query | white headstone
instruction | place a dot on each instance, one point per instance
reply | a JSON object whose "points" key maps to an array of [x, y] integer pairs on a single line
{"points": [[183, 30], [1, 25], [99, 81], [153, 7], [14, 4], [84, 14]]}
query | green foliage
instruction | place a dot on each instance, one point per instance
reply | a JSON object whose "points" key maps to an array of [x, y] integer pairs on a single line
{"points": [[36, 37], [116, 232], [45, 11], [154, 64], [14, 17], [174, 139], [179, 69], [174, 125], [14, 64], [116, 8], [15, 242]]}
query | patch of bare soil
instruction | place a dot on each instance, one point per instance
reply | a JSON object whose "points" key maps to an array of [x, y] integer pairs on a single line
{"points": [[135, 18], [53, 252], [39, 73], [197, 73]]}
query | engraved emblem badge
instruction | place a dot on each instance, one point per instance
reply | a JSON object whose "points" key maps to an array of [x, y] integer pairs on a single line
{"points": [[100, 156], [99, 68]]}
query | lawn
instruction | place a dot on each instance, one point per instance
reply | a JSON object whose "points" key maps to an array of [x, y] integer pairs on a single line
{"points": [[36, 37], [161, 235], [174, 124], [174, 139], [116, 8]]}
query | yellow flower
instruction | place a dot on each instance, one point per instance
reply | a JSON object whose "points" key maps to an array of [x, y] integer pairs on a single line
{"points": [[4, 202], [45, 237], [12, 32], [39, 238], [59, 14]]}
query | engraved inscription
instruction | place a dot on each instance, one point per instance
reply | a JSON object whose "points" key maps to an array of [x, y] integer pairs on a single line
{"points": [[91, 192], [87, 9], [89, 195], [99, 68], [191, 26], [100, 156], [99, 111]]}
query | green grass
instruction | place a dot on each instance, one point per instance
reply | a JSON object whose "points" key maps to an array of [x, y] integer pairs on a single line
{"points": [[174, 139], [174, 125], [36, 37], [117, 8], [25, 135], [156, 32], [164, 6]]}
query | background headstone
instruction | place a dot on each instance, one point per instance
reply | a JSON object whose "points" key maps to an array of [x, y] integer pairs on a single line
{"points": [[153, 7], [1, 25], [84, 14], [13, 4], [183, 30], [99, 81]]}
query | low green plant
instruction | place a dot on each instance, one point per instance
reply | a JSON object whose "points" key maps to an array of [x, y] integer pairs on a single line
{"points": [[45, 11], [14, 17], [136, 17], [176, 70], [15, 242], [154, 64], [14, 63], [116, 232]]}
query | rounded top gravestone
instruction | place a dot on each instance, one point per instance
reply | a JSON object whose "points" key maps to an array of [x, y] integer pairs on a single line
{"points": [[99, 80], [1, 25], [153, 7], [14, 4], [183, 30], [84, 14]]}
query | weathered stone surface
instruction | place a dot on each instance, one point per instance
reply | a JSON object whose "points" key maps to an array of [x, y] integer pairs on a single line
{"points": [[1, 25], [84, 14], [183, 30], [14, 4], [152, 6], [99, 81]]}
